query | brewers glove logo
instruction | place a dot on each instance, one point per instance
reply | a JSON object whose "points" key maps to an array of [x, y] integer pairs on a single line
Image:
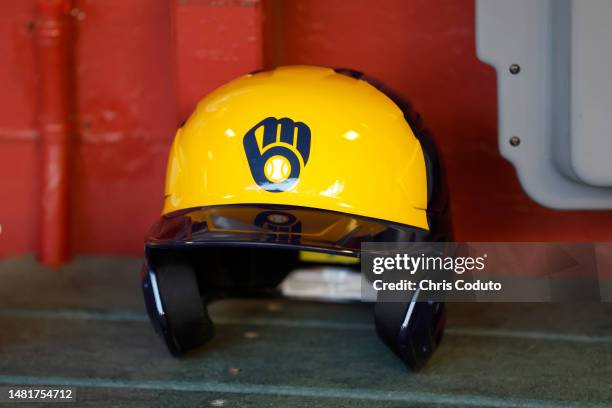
{"points": [[284, 151]]}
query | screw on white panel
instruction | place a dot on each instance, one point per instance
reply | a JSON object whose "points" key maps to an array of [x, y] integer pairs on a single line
{"points": [[515, 141]]}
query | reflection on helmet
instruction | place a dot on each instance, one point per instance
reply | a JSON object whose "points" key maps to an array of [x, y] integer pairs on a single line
{"points": [[280, 226]]}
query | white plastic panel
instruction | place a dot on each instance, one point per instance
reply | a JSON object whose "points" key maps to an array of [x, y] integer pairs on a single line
{"points": [[560, 102], [591, 91]]}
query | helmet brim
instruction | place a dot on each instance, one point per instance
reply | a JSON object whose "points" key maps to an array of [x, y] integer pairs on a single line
{"points": [[276, 226]]}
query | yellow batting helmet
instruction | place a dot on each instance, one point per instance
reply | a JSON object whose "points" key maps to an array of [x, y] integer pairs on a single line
{"points": [[300, 157], [303, 136]]}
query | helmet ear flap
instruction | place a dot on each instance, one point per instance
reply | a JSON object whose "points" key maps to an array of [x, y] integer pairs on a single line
{"points": [[178, 284], [412, 330], [174, 303]]}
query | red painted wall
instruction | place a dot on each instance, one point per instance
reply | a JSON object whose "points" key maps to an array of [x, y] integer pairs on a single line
{"points": [[19, 170], [127, 112], [141, 66]]}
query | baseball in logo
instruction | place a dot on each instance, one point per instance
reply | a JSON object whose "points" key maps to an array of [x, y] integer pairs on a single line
{"points": [[277, 161]]}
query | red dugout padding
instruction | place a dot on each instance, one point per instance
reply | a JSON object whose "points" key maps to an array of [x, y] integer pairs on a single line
{"points": [[140, 67]]}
